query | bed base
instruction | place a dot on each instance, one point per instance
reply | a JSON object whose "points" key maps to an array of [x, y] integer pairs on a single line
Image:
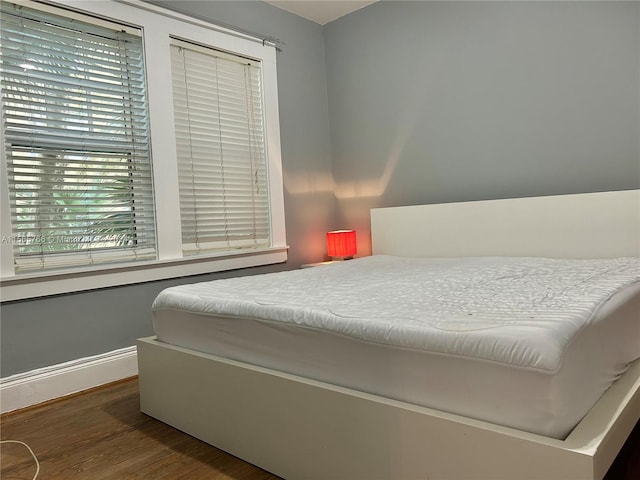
{"points": [[300, 428]]}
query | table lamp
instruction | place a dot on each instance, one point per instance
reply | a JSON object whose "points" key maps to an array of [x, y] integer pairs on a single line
{"points": [[341, 244]]}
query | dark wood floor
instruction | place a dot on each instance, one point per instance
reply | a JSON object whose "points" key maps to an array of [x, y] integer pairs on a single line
{"points": [[101, 434]]}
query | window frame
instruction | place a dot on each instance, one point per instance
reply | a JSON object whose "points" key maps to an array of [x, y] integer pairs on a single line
{"points": [[158, 26], [84, 106], [224, 146]]}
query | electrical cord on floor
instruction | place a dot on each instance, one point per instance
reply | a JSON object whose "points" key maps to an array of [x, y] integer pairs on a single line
{"points": [[30, 451]]}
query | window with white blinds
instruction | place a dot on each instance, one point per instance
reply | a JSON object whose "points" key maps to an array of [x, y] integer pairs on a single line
{"points": [[86, 97], [76, 140], [220, 141]]}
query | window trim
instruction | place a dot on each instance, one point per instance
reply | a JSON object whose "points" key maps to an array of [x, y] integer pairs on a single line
{"points": [[27, 286], [235, 214], [83, 131], [158, 26]]}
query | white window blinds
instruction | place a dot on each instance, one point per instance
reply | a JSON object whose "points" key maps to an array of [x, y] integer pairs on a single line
{"points": [[224, 202], [76, 140]]}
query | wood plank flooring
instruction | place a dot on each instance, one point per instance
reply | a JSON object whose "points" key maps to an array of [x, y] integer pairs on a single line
{"points": [[101, 435]]}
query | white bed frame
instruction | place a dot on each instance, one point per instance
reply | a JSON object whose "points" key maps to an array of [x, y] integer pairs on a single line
{"points": [[301, 428]]}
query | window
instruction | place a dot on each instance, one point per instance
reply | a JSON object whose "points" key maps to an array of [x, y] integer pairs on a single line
{"points": [[108, 181], [76, 141], [220, 147]]}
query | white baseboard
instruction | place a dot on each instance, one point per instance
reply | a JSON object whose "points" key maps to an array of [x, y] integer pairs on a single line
{"points": [[37, 386]]}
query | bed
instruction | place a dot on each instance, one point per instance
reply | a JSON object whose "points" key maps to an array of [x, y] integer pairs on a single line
{"points": [[297, 423]]}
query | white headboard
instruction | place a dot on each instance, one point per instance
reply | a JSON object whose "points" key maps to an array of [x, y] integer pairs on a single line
{"points": [[587, 225]]}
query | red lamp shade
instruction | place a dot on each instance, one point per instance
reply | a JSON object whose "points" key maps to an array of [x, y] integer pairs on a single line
{"points": [[341, 243]]}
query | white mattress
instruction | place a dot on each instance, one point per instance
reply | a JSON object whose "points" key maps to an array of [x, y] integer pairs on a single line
{"points": [[528, 343]]}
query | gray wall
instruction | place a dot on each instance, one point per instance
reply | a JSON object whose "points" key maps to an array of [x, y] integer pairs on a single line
{"points": [[48, 331], [427, 102], [448, 101]]}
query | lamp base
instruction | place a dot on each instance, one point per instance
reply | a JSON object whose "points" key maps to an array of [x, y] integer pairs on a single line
{"points": [[318, 264]]}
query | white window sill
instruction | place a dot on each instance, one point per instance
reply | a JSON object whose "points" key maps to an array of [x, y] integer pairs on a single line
{"points": [[25, 286]]}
